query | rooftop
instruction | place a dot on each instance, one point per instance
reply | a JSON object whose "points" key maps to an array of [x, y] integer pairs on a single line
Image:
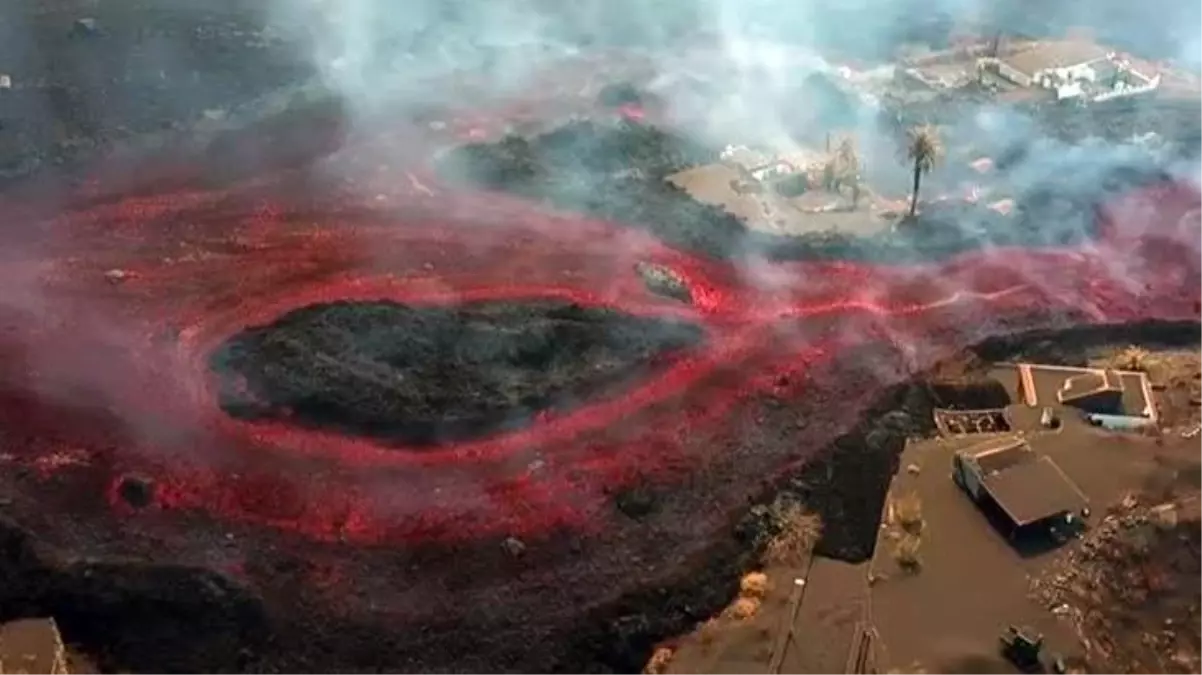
{"points": [[1033, 489], [1055, 54]]}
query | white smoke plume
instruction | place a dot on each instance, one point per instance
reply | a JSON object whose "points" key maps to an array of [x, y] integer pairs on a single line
{"points": [[730, 69]]}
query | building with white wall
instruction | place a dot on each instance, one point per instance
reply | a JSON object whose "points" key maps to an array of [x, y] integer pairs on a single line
{"points": [[1073, 69]]}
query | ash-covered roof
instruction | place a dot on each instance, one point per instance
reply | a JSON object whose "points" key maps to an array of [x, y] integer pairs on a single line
{"points": [[1027, 486], [1055, 54], [1034, 490]]}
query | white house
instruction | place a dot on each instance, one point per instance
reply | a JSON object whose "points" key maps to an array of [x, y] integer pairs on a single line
{"points": [[1073, 69]]}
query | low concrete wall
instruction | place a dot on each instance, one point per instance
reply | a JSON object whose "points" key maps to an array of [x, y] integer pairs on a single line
{"points": [[1014, 75], [1134, 91]]}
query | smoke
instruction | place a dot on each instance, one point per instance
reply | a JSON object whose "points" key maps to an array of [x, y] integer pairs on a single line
{"points": [[743, 72], [368, 49], [727, 71]]}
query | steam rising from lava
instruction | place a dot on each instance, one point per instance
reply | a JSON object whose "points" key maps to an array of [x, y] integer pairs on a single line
{"points": [[389, 60], [729, 70]]}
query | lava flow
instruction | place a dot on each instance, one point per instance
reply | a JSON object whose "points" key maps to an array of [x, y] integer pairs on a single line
{"points": [[114, 308]]}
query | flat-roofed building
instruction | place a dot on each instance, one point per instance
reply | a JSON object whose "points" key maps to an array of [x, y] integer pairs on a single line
{"points": [[1075, 69], [1028, 66], [1027, 488], [1120, 399]]}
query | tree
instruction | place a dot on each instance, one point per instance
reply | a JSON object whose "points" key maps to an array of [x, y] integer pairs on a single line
{"points": [[925, 150]]}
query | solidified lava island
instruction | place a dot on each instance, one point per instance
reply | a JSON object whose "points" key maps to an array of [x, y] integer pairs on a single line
{"points": [[277, 424], [425, 375]]}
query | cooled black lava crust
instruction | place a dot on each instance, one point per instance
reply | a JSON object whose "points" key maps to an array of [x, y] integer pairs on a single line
{"points": [[428, 375]]}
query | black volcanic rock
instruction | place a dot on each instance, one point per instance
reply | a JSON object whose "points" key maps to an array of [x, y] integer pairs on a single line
{"points": [[423, 375]]}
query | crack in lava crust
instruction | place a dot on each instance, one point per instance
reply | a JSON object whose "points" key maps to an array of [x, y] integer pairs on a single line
{"points": [[102, 381]]}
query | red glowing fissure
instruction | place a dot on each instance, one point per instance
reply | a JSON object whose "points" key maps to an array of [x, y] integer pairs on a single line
{"points": [[113, 377]]}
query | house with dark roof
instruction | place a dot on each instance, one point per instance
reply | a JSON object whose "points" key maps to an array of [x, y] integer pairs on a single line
{"points": [[1026, 488]]}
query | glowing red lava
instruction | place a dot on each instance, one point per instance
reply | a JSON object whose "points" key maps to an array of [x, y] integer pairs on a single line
{"points": [[108, 375]]}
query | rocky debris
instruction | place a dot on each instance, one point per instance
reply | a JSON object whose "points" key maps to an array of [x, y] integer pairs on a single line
{"points": [[913, 469], [664, 281], [1164, 516], [1048, 419], [1131, 589], [1128, 502], [899, 421], [116, 276], [513, 546]]}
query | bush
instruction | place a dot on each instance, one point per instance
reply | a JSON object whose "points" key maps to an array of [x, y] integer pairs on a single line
{"points": [[1132, 358], [743, 608], [907, 509], [659, 661], [754, 585], [798, 532], [906, 553]]}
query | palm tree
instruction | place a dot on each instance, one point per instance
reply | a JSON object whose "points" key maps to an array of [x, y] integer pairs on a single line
{"points": [[924, 149]]}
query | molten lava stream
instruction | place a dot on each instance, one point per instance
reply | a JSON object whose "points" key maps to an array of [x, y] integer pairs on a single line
{"points": [[250, 261]]}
